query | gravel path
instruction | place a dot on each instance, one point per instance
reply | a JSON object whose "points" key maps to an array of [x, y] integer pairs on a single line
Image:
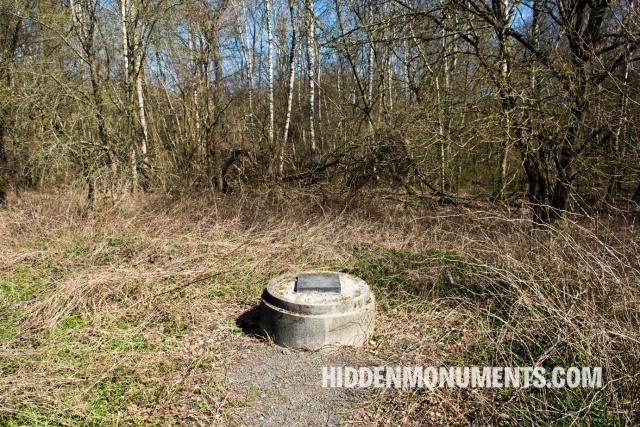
{"points": [[284, 388]]}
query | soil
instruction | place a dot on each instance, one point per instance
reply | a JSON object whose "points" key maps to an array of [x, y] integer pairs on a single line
{"points": [[284, 388]]}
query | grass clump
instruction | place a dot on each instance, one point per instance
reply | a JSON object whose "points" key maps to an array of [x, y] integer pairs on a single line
{"points": [[521, 318], [133, 316]]}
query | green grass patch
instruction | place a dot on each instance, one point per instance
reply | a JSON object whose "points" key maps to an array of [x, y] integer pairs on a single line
{"points": [[120, 240], [23, 284], [72, 322], [116, 394], [396, 274], [220, 291], [134, 343], [566, 407], [240, 284], [174, 328], [78, 249], [31, 416], [9, 319], [104, 248]]}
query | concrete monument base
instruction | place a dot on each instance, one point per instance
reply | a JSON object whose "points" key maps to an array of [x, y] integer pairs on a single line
{"points": [[316, 310]]}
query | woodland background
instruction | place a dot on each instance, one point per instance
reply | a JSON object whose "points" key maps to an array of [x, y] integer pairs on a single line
{"points": [[446, 99]]}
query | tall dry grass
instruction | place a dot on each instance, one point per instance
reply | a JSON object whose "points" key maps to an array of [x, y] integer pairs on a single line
{"points": [[455, 285]]}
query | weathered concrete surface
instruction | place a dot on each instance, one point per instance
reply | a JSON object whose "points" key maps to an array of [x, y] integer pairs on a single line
{"points": [[317, 320]]}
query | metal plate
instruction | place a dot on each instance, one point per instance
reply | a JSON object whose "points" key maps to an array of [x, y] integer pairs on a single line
{"points": [[318, 282]]}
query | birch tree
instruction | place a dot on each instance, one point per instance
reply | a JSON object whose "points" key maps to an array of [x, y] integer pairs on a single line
{"points": [[310, 18], [270, 71], [134, 28], [290, 86]]}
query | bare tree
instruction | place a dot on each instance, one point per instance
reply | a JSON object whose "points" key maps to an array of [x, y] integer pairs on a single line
{"points": [[270, 71], [434, 91], [12, 28], [290, 86], [310, 26]]}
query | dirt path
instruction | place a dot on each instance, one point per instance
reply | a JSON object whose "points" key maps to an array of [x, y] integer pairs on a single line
{"points": [[284, 388]]}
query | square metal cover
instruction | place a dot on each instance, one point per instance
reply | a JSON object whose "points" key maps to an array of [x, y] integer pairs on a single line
{"points": [[318, 282]]}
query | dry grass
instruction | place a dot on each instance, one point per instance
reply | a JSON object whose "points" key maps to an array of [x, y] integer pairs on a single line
{"points": [[127, 315]]}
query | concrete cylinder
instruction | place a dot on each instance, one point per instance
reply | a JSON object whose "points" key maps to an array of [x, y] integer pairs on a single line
{"points": [[317, 310]]}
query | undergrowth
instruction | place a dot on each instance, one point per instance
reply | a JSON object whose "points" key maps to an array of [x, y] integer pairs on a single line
{"points": [[129, 315]]}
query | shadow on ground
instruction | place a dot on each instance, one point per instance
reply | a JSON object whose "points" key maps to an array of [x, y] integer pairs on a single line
{"points": [[249, 323]]}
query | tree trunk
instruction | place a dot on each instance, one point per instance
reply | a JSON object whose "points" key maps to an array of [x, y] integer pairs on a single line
{"points": [[292, 55], [636, 194], [537, 190], [89, 48], [310, 71], [214, 97], [247, 52], [126, 59], [143, 120], [619, 146], [504, 56], [370, 74], [270, 66], [196, 83], [138, 70], [444, 101]]}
